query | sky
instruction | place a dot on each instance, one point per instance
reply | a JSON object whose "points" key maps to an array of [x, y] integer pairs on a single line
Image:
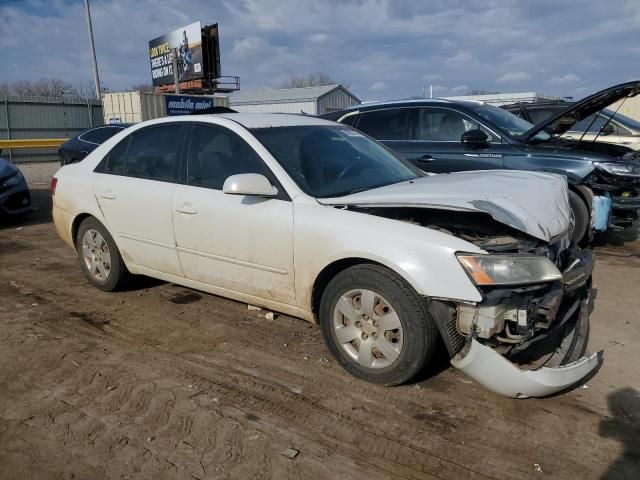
{"points": [[383, 49]]}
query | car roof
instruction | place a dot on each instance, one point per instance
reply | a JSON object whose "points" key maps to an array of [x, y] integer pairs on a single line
{"points": [[264, 120], [421, 102]]}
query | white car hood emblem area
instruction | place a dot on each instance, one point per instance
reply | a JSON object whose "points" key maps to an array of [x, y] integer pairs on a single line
{"points": [[533, 202]]}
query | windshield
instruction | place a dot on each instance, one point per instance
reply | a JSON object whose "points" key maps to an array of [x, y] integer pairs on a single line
{"points": [[507, 121], [328, 161]]}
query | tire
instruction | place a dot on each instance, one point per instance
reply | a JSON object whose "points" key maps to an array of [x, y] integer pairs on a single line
{"points": [[396, 304], [103, 251], [581, 216]]}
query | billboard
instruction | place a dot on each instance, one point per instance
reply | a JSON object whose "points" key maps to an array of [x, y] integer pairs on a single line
{"points": [[185, 105], [196, 50]]}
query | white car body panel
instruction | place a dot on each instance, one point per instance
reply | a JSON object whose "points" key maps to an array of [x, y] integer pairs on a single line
{"points": [[544, 215], [269, 251], [239, 243]]}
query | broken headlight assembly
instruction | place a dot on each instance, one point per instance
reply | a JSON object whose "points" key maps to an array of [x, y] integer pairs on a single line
{"points": [[494, 270], [624, 169], [12, 181]]}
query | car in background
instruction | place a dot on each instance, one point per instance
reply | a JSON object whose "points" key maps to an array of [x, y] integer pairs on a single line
{"points": [[605, 126], [314, 219], [15, 198], [443, 136], [78, 147]]}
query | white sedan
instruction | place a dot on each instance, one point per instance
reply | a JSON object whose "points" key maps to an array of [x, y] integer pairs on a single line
{"points": [[316, 220]]}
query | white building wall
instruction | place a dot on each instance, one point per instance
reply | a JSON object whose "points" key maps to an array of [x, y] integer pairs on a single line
{"points": [[630, 107], [337, 100], [289, 107]]}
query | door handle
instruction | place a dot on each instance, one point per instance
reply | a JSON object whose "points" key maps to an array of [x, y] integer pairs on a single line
{"points": [[108, 194], [426, 159], [186, 209]]}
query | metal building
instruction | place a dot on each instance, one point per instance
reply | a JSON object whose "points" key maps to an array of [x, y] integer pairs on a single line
{"points": [[309, 100]]}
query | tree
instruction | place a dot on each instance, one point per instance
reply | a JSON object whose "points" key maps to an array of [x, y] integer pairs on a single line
{"points": [[142, 87], [310, 80]]}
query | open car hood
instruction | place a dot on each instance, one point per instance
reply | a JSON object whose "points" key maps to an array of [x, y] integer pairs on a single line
{"points": [[563, 121], [532, 202]]}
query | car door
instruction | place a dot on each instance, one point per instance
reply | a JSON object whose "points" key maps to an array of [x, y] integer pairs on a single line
{"points": [[389, 126], [134, 189], [239, 243], [437, 145]]}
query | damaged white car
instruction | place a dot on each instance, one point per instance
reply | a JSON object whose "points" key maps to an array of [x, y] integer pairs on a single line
{"points": [[314, 219]]}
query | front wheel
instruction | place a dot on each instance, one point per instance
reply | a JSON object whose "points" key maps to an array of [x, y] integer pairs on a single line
{"points": [[376, 325], [580, 215]]}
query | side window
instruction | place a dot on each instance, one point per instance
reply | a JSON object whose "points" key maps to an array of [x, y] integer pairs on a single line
{"points": [[114, 161], [216, 153], [388, 124], [582, 125], [100, 135], [154, 153], [439, 125]]}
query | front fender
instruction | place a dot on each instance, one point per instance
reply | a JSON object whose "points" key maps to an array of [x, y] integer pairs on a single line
{"points": [[425, 258]]}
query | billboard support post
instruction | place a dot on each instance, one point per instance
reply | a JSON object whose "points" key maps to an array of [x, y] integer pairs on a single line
{"points": [[176, 77]]}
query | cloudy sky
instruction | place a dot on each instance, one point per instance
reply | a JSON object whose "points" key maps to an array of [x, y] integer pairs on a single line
{"points": [[382, 48]]}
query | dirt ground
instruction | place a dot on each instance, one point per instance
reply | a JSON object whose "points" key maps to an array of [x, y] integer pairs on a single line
{"points": [[165, 382]]}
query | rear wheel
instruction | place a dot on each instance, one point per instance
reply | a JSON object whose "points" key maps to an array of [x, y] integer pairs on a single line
{"points": [[376, 325], [581, 216], [99, 256]]}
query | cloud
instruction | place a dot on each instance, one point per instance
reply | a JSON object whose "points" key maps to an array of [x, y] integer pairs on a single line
{"points": [[564, 79], [511, 77], [378, 86], [411, 44]]}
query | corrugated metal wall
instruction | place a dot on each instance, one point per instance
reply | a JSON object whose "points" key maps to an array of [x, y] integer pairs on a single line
{"points": [[282, 107], [336, 100], [33, 117]]}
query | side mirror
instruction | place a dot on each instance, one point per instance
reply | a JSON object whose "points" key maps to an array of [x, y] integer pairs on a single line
{"points": [[249, 184], [474, 138], [607, 129]]}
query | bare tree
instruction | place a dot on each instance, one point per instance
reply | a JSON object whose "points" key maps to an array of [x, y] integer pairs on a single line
{"points": [[310, 80], [142, 87]]}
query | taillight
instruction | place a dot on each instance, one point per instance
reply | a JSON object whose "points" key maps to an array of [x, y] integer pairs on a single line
{"points": [[54, 184]]}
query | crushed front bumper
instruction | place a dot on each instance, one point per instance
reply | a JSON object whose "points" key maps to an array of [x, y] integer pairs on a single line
{"points": [[562, 346], [16, 199]]}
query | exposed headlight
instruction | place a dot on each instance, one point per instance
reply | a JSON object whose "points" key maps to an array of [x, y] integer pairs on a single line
{"points": [[13, 180], [509, 269], [626, 169]]}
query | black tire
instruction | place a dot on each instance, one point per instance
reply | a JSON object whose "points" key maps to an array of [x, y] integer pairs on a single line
{"points": [[581, 216], [118, 274], [419, 331]]}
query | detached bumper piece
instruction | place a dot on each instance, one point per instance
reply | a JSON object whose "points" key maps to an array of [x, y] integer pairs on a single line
{"points": [[561, 346], [496, 373]]}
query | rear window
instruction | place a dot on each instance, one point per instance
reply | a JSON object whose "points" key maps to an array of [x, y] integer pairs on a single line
{"points": [[100, 135]]}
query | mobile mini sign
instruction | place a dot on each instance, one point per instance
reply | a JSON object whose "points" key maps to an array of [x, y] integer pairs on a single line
{"points": [[196, 50], [184, 105]]}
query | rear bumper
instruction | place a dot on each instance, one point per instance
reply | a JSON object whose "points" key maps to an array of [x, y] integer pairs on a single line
{"points": [[560, 348]]}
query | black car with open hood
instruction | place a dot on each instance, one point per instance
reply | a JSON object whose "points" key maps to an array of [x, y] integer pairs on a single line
{"points": [[443, 136]]}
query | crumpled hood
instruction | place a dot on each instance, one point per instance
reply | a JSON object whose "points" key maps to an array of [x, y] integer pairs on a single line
{"points": [[532, 202]]}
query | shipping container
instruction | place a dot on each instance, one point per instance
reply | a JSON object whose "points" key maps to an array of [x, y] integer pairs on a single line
{"points": [[134, 107]]}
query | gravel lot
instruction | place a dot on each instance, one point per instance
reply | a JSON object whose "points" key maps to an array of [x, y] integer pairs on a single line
{"points": [[165, 382]]}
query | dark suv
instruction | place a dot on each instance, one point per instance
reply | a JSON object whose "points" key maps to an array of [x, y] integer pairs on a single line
{"points": [[447, 136]]}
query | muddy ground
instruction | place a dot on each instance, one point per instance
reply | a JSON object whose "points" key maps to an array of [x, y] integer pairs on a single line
{"points": [[165, 382]]}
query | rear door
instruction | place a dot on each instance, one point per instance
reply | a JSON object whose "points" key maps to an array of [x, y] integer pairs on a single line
{"points": [[134, 190], [389, 126], [239, 243], [437, 145]]}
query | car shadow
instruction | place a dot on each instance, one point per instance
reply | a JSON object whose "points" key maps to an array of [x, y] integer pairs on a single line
{"points": [[41, 213], [623, 424]]}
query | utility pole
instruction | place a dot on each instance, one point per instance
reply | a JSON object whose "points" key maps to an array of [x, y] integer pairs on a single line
{"points": [[430, 91], [96, 77]]}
